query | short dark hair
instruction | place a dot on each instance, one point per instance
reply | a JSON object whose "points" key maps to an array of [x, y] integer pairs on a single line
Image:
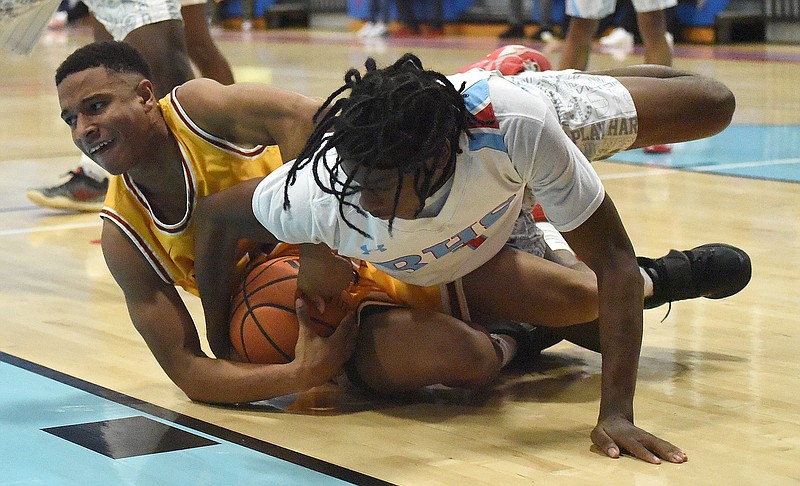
{"points": [[395, 118], [115, 56]]}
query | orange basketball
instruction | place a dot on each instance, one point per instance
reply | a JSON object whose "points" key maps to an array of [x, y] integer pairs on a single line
{"points": [[264, 324]]}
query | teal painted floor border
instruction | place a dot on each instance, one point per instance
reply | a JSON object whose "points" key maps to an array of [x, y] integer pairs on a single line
{"points": [[33, 398], [754, 151]]}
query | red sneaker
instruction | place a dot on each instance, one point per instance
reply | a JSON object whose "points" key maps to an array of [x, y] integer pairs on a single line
{"points": [[512, 59], [657, 149]]}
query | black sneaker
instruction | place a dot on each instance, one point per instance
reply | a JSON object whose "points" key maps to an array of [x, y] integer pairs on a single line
{"points": [[79, 193], [713, 271], [531, 340], [513, 32]]}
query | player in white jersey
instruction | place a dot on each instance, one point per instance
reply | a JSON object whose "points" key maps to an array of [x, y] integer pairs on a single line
{"points": [[426, 178]]}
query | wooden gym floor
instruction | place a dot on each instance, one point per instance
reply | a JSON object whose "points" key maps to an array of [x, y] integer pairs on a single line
{"points": [[718, 378]]}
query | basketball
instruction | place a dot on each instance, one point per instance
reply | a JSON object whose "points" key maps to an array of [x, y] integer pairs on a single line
{"points": [[264, 325]]}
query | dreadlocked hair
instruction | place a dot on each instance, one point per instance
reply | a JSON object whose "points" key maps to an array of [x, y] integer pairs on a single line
{"points": [[397, 118]]}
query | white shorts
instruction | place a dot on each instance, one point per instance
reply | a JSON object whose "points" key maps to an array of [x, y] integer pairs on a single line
{"points": [[121, 17], [596, 112], [598, 9], [22, 23]]}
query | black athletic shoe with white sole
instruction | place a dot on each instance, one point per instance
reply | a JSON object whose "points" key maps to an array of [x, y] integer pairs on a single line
{"points": [[713, 271]]}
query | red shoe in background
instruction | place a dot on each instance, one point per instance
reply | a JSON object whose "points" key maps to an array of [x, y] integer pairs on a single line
{"points": [[657, 149], [512, 59]]}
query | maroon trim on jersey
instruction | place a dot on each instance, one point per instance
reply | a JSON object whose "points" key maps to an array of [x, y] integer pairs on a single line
{"points": [[139, 242], [190, 199], [216, 141]]}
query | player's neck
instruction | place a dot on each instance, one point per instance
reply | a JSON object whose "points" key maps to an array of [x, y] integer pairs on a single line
{"points": [[162, 178]]}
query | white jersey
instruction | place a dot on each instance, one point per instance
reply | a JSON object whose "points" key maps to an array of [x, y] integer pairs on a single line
{"points": [[525, 149]]}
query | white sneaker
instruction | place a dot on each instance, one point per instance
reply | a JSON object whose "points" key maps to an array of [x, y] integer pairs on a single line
{"points": [[366, 30], [618, 37]]}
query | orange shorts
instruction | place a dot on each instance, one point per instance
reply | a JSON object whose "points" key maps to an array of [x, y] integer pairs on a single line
{"points": [[375, 287]]}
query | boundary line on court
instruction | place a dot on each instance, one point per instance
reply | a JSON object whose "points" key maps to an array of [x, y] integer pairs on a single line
{"points": [[267, 448]]}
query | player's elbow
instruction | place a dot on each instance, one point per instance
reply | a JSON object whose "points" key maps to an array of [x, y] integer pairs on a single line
{"points": [[199, 390]]}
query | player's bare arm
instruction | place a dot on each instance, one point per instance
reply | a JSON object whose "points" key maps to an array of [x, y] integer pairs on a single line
{"points": [[251, 113], [604, 245], [160, 316], [220, 221]]}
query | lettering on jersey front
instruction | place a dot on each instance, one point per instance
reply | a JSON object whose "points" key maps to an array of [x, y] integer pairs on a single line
{"points": [[470, 237]]}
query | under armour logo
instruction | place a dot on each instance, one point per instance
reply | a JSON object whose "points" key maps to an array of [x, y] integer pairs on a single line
{"points": [[367, 251]]}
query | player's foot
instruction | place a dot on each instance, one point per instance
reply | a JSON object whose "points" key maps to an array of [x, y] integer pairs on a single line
{"points": [[513, 32], [713, 271], [618, 37], [531, 340], [366, 30], [512, 59], [373, 29], [79, 193]]}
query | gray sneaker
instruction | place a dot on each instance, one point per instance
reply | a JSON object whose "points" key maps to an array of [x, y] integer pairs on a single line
{"points": [[79, 193]]}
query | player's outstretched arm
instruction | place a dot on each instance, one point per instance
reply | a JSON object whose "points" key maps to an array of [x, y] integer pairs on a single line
{"points": [[220, 221], [160, 316], [601, 242]]}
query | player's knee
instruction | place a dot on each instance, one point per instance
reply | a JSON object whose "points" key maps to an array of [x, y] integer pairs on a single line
{"points": [[581, 296], [479, 367], [718, 106], [460, 357]]}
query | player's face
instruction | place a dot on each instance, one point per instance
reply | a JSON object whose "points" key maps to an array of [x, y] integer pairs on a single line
{"points": [[378, 188], [107, 115], [377, 195]]}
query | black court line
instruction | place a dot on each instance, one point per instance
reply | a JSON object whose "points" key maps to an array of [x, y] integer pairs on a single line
{"points": [[267, 448]]}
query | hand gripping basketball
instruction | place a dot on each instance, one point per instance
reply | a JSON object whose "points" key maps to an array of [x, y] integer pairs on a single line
{"points": [[264, 326]]}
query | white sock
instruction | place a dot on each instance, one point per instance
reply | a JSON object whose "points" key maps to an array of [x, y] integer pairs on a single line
{"points": [[648, 282], [507, 347]]}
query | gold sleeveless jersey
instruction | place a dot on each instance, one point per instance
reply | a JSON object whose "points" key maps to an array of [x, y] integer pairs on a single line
{"points": [[210, 164]]}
